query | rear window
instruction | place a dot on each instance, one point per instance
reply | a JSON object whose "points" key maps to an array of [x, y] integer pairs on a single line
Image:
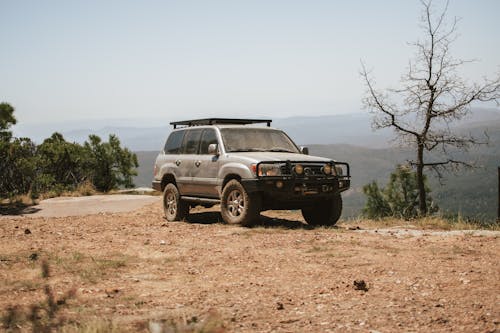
{"points": [[174, 143], [191, 142]]}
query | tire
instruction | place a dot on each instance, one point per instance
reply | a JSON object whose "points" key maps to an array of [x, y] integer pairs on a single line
{"points": [[173, 207], [238, 206], [324, 213]]}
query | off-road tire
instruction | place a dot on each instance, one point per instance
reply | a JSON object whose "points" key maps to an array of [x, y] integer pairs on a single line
{"points": [[174, 208], [324, 213], [238, 206]]}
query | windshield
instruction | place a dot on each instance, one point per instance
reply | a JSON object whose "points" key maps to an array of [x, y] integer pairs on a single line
{"points": [[256, 139]]}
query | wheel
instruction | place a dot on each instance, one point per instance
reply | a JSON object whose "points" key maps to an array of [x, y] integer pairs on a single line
{"points": [[174, 208], [238, 206], [325, 213]]}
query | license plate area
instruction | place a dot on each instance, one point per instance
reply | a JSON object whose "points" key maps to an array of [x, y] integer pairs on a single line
{"points": [[305, 189]]}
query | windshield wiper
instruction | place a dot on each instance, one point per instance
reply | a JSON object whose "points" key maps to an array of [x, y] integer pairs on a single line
{"points": [[246, 150], [280, 150]]}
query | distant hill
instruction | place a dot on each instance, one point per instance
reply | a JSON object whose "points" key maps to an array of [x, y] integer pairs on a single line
{"points": [[140, 135]]}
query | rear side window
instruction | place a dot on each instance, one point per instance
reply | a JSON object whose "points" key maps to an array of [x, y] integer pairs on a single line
{"points": [[191, 142], [207, 139], [174, 143]]}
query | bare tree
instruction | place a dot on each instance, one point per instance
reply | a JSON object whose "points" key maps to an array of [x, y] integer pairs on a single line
{"points": [[431, 97]]}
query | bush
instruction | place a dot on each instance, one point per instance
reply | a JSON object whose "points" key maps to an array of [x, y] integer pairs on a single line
{"points": [[398, 199]]}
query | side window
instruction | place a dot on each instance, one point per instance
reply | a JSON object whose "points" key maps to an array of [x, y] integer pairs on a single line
{"points": [[174, 142], [208, 137], [191, 141]]}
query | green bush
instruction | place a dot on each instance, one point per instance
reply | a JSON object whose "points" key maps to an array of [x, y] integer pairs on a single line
{"points": [[398, 199]]}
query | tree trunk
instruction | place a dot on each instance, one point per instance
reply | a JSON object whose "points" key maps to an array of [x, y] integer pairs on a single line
{"points": [[422, 202]]}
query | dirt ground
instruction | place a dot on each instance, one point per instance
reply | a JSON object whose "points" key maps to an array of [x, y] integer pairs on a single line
{"points": [[279, 276]]}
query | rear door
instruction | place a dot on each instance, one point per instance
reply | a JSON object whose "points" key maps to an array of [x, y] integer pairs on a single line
{"points": [[186, 161]]}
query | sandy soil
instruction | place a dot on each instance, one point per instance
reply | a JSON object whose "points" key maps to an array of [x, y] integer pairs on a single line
{"points": [[280, 276]]}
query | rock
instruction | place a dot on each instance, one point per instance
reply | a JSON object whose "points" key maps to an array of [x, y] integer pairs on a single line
{"points": [[155, 327], [279, 306], [360, 285], [27, 231], [33, 256]]}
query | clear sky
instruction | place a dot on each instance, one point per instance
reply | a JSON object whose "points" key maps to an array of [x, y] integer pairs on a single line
{"points": [[73, 60]]}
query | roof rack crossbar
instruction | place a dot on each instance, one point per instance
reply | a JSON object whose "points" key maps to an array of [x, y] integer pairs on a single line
{"points": [[225, 121]]}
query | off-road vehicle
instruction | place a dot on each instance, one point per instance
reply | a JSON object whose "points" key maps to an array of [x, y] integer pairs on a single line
{"points": [[246, 168]]}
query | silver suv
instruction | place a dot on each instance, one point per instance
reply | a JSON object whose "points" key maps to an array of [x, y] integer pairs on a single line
{"points": [[246, 168]]}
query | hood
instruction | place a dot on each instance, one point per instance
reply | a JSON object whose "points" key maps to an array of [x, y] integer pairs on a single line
{"points": [[256, 157]]}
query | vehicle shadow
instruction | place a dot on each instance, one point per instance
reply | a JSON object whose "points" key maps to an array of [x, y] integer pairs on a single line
{"points": [[205, 218], [281, 223], [214, 217]]}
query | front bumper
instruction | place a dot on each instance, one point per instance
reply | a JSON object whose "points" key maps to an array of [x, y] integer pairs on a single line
{"points": [[280, 193], [294, 187], [291, 190]]}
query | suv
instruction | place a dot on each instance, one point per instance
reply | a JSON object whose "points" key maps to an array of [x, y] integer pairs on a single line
{"points": [[246, 168]]}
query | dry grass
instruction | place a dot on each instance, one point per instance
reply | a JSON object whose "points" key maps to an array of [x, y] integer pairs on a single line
{"points": [[95, 326], [88, 268], [426, 223]]}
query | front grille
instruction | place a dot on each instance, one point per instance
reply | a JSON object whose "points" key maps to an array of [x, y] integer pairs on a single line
{"points": [[310, 170], [313, 170]]}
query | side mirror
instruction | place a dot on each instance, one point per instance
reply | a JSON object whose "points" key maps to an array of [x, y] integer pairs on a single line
{"points": [[304, 150], [213, 149]]}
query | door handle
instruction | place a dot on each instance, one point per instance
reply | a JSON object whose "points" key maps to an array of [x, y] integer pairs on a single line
{"points": [[178, 162], [197, 163]]}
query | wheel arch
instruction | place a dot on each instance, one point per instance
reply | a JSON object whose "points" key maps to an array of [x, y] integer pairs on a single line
{"points": [[230, 177], [167, 179]]}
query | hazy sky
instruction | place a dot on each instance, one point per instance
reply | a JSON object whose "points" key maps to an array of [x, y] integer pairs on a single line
{"points": [[71, 60]]}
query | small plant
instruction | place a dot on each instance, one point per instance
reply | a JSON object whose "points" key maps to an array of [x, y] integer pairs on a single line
{"points": [[43, 317]]}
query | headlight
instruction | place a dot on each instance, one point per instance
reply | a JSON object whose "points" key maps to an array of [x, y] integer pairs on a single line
{"points": [[269, 170], [339, 170], [327, 169], [299, 169]]}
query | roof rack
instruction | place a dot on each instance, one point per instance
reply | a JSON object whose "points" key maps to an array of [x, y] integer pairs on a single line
{"points": [[226, 121]]}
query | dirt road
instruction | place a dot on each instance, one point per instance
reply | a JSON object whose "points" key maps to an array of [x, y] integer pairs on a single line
{"points": [[280, 276], [88, 205]]}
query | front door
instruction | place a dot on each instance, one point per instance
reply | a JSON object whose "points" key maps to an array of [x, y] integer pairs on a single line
{"points": [[206, 167]]}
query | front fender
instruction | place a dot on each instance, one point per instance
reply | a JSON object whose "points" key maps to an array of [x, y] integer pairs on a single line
{"points": [[239, 169]]}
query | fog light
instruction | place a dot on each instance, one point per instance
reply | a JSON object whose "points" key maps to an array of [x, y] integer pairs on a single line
{"points": [[327, 169], [279, 184], [299, 169]]}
